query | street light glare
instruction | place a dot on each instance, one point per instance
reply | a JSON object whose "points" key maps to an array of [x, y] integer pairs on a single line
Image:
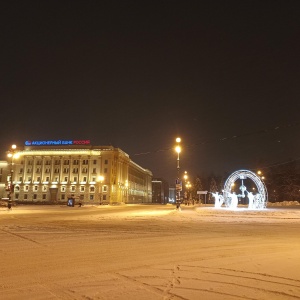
{"points": [[178, 183], [178, 149]]}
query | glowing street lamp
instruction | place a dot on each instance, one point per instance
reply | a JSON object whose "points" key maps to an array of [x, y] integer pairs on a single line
{"points": [[185, 176], [178, 150], [100, 179], [188, 186], [178, 184], [232, 186], [259, 173]]}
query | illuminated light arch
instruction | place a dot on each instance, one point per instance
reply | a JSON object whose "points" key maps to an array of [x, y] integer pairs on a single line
{"points": [[244, 174]]}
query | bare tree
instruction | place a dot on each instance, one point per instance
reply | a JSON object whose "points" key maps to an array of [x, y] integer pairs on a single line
{"points": [[284, 182]]}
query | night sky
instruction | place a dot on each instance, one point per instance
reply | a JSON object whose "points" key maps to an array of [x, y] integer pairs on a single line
{"points": [[222, 75]]}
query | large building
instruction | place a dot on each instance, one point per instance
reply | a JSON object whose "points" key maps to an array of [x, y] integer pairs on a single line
{"points": [[55, 171]]}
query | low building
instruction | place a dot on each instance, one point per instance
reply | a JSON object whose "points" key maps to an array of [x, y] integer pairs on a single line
{"points": [[160, 191], [55, 171], [172, 194]]}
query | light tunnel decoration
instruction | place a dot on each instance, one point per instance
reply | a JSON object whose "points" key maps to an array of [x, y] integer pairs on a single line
{"points": [[256, 201]]}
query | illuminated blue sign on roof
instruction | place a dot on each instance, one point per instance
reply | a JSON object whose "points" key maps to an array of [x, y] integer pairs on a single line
{"points": [[57, 143]]}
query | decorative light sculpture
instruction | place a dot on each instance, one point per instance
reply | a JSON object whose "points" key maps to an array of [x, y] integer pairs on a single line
{"points": [[256, 201]]}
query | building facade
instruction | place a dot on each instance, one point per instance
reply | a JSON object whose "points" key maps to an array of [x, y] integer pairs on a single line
{"points": [[88, 174], [160, 191], [4, 173]]}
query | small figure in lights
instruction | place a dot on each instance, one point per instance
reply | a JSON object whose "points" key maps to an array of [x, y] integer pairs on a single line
{"points": [[219, 199]]}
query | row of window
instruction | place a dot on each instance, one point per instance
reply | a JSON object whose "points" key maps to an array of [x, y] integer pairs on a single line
{"points": [[63, 188], [65, 162], [62, 196], [57, 170], [56, 179]]}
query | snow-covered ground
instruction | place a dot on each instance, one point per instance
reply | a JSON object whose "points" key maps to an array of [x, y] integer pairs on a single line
{"points": [[149, 252]]}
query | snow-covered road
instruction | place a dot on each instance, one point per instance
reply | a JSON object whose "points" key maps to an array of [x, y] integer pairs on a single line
{"points": [[149, 252]]}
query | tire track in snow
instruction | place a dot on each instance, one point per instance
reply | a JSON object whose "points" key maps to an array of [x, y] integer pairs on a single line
{"points": [[22, 237], [242, 279]]}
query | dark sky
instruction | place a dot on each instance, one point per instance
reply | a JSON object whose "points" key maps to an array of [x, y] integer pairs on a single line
{"points": [[222, 75]]}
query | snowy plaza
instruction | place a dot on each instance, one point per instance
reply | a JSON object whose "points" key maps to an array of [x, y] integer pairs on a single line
{"points": [[149, 252]]}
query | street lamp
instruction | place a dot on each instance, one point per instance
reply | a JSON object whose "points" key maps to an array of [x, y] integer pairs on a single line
{"points": [[178, 184], [11, 153], [100, 179], [232, 186], [185, 177], [188, 186], [259, 173]]}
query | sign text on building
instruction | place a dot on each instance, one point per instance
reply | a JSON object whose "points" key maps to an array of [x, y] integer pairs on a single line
{"points": [[58, 142]]}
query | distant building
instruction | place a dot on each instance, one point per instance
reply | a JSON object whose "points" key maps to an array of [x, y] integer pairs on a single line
{"points": [[172, 194], [54, 171], [160, 191]]}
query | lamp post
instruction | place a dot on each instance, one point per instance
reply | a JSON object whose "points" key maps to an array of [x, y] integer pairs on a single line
{"points": [[185, 177], [11, 153], [178, 184], [100, 178], [188, 186]]}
